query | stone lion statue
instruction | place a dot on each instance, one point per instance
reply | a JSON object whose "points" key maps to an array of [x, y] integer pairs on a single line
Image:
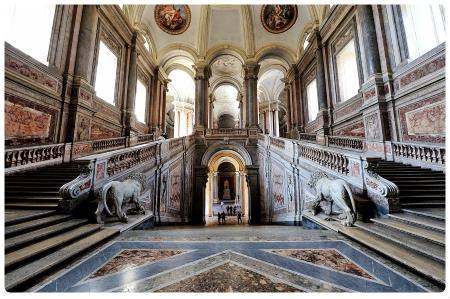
{"points": [[333, 191], [121, 193]]}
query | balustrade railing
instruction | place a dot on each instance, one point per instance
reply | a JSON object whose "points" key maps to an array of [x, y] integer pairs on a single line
{"points": [[308, 137], [230, 132], [329, 159], [345, 142], [145, 138], [106, 144], [128, 159], [31, 155], [423, 153]]}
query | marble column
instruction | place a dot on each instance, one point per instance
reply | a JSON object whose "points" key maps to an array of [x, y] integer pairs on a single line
{"points": [[243, 195], [251, 79], [198, 204], [215, 187], [82, 66], [202, 73], [86, 42], [322, 116], [237, 187], [253, 191], [369, 39], [162, 120], [288, 107], [374, 109], [183, 123], [211, 110], [242, 111], [131, 87], [269, 120], [277, 123]]}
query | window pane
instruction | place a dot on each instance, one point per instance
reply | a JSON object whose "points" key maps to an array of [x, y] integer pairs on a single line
{"points": [[313, 103], [347, 71], [105, 79], [424, 28], [33, 39], [146, 45], [306, 43], [141, 101]]}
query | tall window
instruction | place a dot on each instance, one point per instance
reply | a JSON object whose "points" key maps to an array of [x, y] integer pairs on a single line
{"points": [[313, 102], [141, 101], [347, 71], [306, 42], [424, 27], [33, 39], [105, 78]]}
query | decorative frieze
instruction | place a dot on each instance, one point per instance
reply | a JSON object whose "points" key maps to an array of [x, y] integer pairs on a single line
{"points": [[32, 73], [345, 110], [420, 72]]}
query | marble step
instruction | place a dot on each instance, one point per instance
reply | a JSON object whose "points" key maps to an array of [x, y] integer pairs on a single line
{"points": [[37, 249], [31, 198], [433, 213], [422, 192], [410, 173], [410, 186], [31, 205], [430, 204], [24, 227], [422, 197], [37, 179], [419, 263], [415, 231], [18, 192], [421, 221], [417, 245], [23, 277], [415, 261], [40, 234], [19, 216]]}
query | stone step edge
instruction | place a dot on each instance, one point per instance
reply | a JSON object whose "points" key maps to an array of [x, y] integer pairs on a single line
{"points": [[40, 234], [431, 276], [429, 215], [406, 246], [383, 224], [35, 226], [66, 253], [418, 223], [26, 218], [52, 243]]}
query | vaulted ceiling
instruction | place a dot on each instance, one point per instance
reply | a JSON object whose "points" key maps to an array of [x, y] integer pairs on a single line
{"points": [[218, 28]]}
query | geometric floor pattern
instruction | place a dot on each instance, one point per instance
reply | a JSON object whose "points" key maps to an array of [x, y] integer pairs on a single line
{"points": [[231, 266]]}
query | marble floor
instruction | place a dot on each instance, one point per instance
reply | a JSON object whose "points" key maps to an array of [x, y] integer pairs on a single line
{"points": [[234, 259]]}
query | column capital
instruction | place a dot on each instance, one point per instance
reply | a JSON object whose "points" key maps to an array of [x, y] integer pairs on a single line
{"points": [[202, 71], [251, 70]]}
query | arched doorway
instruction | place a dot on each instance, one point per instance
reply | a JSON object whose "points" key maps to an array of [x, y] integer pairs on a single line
{"points": [[226, 184]]}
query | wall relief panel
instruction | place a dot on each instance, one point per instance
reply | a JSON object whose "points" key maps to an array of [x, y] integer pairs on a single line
{"points": [[100, 132], [424, 121], [27, 122], [174, 202], [278, 187], [353, 130]]}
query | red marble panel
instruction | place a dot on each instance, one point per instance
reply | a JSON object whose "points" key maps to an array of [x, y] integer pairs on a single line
{"points": [[100, 132], [131, 258], [421, 72], [27, 122], [353, 130], [424, 120], [330, 258], [229, 278]]}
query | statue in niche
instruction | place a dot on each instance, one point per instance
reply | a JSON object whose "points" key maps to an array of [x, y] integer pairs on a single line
{"points": [[226, 190]]}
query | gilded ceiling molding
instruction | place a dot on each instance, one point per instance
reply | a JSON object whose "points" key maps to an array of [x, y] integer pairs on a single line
{"points": [[276, 50], [223, 49], [202, 33], [249, 36]]}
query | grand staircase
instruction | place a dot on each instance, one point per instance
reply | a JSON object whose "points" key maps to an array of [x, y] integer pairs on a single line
{"points": [[415, 236], [39, 239]]}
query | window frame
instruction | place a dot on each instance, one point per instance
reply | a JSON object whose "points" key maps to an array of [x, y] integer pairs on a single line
{"points": [[146, 83], [103, 36], [347, 33]]}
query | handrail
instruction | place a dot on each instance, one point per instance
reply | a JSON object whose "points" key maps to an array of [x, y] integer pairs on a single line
{"points": [[30, 155], [104, 144], [307, 137], [423, 153], [345, 142]]}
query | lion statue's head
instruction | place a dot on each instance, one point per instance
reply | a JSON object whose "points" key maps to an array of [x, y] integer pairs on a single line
{"points": [[315, 177], [140, 178]]}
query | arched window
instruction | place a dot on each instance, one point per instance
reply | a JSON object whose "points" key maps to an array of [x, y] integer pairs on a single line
{"points": [[146, 45], [31, 38], [140, 106], [313, 102], [347, 71], [424, 27], [306, 42], [105, 78]]}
